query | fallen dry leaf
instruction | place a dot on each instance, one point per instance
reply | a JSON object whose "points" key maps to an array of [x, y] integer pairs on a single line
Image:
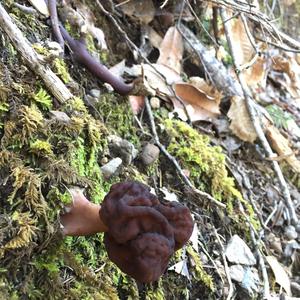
{"points": [[171, 50], [142, 10], [281, 277], [181, 268], [154, 38], [199, 104], [210, 91], [256, 72], [292, 69], [159, 79], [241, 124], [245, 50], [40, 6], [281, 146]]}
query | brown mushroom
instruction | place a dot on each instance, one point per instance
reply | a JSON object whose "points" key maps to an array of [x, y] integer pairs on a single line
{"points": [[141, 234]]}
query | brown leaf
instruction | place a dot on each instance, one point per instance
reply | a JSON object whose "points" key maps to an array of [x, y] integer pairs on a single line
{"points": [[292, 69], [156, 83], [241, 124], [245, 50], [171, 50], [143, 10], [281, 146], [256, 73], [154, 38], [201, 103]]}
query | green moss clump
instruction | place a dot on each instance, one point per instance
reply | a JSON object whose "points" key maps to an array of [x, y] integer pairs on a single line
{"points": [[207, 165], [199, 272], [118, 117], [61, 70], [40, 147]]}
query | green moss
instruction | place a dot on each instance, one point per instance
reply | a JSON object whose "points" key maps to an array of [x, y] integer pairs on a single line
{"points": [[207, 166], [40, 147], [61, 69], [42, 98], [199, 272], [75, 104], [118, 117], [55, 195], [155, 293], [40, 49], [4, 106], [84, 158]]}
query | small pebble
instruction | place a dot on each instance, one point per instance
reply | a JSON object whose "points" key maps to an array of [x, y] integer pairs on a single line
{"points": [[290, 232], [149, 154], [122, 148], [95, 93], [111, 168], [155, 102], [60, 116]]}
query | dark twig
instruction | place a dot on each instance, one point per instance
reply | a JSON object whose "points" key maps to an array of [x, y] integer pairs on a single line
{"points": [[82, 56], [55, 24]]}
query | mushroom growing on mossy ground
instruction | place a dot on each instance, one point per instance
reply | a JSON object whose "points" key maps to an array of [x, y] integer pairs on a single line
{"points": [[141, 233]]}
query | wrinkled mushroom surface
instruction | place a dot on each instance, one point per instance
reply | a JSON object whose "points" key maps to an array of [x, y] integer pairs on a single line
{"points": [[142, 232]]}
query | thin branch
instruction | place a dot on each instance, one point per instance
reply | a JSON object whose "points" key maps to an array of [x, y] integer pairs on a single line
{"points": [[227, 272], [174, 161], [52, 82]]}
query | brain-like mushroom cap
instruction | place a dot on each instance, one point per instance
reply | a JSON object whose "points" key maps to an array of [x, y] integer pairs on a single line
{"points": [[142, 232]]}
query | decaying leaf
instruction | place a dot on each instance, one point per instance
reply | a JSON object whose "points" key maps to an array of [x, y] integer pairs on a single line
{"points": [[194, 238], [200, 100], [171, 50], [181, 268], [245, 50], [154, 38], [281, 145], [281, 276], [256, 74], [159, 79], [241, 124], [40, 6], [143, 10], [290, 67]]}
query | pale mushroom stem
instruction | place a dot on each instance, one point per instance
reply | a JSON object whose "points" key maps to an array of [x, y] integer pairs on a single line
{"points": [[82, 217]]}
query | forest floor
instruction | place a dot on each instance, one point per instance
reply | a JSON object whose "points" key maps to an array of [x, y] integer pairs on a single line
{"points": [[213, 121]]}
